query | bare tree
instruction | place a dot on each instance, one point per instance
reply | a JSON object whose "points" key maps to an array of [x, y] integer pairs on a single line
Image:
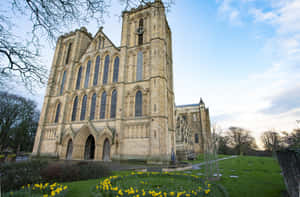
{"points": [[223, 142], [241, 140], [18, 122], [271, 140], [21, 59], [292, 140]]}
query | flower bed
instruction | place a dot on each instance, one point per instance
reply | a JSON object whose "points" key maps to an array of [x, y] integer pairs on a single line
{"points": [[40, 190], [153, 184]]}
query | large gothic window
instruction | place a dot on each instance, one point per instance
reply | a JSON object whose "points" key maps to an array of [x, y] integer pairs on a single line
{"points": [[95, 81], [113, 106], [196, 138], [87, 74], [140, 31], [62, 83], [78, 78], [83, 108], [116, 69], [105, 73], [68, 53], [139, 67], [138, 103], [57, 113], [103, 105], [93, 106], [74, 108]]}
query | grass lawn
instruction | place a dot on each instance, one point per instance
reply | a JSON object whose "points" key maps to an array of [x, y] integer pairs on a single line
{"points": [[257, 177], [200, 158], [83, 188]]}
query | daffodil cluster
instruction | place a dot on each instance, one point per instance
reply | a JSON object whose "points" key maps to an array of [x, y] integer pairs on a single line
{"points": [[145, 185], [44, 190]]}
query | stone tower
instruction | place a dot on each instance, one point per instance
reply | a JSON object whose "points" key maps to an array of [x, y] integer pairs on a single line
{"points": [[146, 31], [105, 102]]}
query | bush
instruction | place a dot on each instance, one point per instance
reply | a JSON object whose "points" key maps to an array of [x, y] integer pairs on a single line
{"points": [[15, 175], [93, 170], [11, 155], [66, 172]]}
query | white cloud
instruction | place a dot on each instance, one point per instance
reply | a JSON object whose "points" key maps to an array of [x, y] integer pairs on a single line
{"points": [[229, 12], [275, 89]]}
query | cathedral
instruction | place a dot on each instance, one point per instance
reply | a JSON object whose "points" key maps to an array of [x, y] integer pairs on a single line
{"points": [[106, 102]]}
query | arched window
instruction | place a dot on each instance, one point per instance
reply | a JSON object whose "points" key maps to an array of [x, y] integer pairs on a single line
{"points": [[62, 83], [93, 106], [68, 53], [140, 31], [87, 74], [95, 81], [105, 73], [74, 108], [139, 67], [116, 69], [103, 105], [78, 78], [196, 138], [138, 103], [83, 108], [113, 106], [57, 113]]}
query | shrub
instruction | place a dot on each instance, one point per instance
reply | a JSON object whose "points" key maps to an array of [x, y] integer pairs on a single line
{"points": [[66, 172], [14, 175], [93, 170], [60, 172], [11, 155]]}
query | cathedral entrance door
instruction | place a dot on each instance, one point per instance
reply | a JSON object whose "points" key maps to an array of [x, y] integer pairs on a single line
{"points": [[69, 150], [89, 150], [106, 150]]}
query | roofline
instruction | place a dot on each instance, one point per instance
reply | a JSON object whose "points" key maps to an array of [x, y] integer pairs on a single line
{"points": [[188, 105]]}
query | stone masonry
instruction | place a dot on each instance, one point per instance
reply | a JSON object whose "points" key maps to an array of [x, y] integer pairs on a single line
{"points": [[105, 102]]}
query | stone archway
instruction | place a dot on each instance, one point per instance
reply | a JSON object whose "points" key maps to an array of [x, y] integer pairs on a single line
{"points": [[106, 150], [69, 150], [89, 149]]}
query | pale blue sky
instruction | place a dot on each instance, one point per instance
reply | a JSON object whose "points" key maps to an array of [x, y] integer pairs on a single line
{"points": [[241, 56]]}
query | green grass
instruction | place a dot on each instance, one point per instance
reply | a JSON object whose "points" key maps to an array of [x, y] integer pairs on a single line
{"points": [[200, 158], [257, 177], [83, 188]]}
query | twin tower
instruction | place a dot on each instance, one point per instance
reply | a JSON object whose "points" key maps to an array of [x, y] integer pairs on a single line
{"points": [[105, 102]]}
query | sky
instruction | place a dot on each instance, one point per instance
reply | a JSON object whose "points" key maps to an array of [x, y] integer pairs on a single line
{"points": [[241, 56]]}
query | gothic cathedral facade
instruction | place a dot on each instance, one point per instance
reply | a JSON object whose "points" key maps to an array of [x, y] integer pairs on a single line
{"points": [[105, 102]]}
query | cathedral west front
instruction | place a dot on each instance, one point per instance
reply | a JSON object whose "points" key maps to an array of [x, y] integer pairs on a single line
{"points": [[107, 102]]}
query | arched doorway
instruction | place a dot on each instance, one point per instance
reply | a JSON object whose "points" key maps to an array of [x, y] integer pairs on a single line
{"points": [[106, 150], [69, 150], [89, 150]]}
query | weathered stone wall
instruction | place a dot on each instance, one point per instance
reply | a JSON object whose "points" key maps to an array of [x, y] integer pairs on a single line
{"points": [[148, 136], [192, 122], [289, 162]]}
